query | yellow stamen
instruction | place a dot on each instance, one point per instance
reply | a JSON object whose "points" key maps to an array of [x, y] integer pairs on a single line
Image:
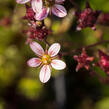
{"points": [[48, 3], [46, 59]]}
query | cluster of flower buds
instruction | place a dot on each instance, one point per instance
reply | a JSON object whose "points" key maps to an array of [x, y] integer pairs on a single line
{"points": [[87, 18], [29, 13], [40, 33], [87, 62], [103, 62], [103, 19], [83, 60], [37, 29]]}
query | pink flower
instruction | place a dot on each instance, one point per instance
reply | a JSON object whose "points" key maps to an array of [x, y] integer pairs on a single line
{"points": [[43, 7], [46, 59]]}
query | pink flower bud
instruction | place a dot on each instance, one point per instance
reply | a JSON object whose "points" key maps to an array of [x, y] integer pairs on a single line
{"points": [[83, 60], [103, 62], [87, 18]]}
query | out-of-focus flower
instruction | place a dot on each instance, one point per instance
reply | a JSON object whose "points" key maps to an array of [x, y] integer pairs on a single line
{"points": [[5, 21], [46, 6], [103, 19], [46, 59], [103, 62], [87, 18], [83, 60], [39, 33]]}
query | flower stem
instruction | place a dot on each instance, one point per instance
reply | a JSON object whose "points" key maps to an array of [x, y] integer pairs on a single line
{"points": [[74, 4], [86, 47], [46, 42]]}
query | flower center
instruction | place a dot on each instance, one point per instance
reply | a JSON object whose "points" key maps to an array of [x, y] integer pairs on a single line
{"points": [[48, 3], [46, 59]]}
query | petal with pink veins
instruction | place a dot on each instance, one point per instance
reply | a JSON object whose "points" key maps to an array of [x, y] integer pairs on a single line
{"points": [[22, 1], [45, 74], [42, 14], [37, 48], [58, 64], [59, 1], [34, 62], [36, 5], [54, 49], [59, 10]]}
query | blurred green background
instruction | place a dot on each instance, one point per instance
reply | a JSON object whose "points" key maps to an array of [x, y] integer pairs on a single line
{"points": [[20, 87]]}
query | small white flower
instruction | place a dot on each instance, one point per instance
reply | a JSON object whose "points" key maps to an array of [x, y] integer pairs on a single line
{"points": [[46, 59]]}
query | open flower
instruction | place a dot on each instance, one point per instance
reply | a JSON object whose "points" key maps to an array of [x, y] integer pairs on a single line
{"points": [[46, 59], [48, 6], [43, 7]]}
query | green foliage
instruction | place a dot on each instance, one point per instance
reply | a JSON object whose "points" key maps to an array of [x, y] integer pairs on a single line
{"points": [[29, 88]]}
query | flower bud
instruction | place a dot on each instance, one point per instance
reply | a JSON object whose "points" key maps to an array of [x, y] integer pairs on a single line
{"points": [[87, 18]]}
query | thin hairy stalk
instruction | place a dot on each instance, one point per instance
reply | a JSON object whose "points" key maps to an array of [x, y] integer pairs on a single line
{"points": [[86, 47]]}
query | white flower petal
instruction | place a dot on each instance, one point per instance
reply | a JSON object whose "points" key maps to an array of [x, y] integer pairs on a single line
{"points": [[45, 74], [22, 1], [59, 10], [34, 62], [37, 48], [36, 5], [58, 64], [42, 14], [54, 49], [59, 1]]}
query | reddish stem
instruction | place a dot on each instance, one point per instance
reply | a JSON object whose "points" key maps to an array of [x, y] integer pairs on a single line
{"points": [[86, 47]]}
